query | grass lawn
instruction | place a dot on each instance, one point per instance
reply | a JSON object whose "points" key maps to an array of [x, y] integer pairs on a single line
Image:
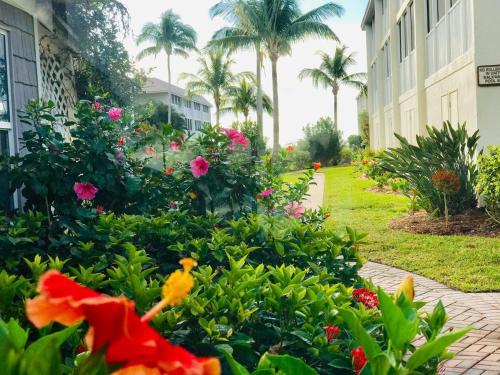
{"points": [[467, 263]]}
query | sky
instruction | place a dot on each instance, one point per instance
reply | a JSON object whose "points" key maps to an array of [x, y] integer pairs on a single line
{"points": [[300, 102]]}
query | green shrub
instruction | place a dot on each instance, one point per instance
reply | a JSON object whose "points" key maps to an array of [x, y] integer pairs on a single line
{"points": [[489, 181], [443, 149], [324, 142]]}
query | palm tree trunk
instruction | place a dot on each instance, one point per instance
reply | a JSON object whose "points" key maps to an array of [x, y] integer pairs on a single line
{"points": [[260, 105], [276, 107], [169, 98], [335, 110]]}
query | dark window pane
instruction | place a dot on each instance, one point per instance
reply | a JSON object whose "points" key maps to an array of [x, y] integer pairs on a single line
{"points": [[453, 2], [4, 89], [412, 26], [5, 197]]}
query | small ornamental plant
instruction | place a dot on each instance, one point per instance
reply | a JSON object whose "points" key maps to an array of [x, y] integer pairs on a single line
{"points": [[447, 182]]}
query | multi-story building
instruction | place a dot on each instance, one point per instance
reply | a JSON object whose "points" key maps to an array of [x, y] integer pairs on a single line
{"points": [[431, 61], [196, 110]]}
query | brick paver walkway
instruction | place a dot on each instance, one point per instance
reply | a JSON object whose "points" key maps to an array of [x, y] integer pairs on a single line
{"points": [[479, 351]]}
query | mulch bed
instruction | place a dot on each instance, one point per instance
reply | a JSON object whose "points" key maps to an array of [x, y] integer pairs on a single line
{"points": [[472, 223]]}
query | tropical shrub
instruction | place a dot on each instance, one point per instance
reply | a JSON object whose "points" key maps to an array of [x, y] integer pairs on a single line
{"points": [[297, 156], [324, 141], [489, 181], [446, 149]]}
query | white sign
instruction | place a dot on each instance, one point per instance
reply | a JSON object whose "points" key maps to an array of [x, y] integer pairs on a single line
{"points": [[488, 75]]}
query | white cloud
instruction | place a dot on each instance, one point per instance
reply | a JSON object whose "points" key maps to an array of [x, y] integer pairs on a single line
{"points": [[300, 102]]}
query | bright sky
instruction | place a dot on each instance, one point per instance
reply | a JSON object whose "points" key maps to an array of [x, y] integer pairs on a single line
{"points": [[300, 102]]}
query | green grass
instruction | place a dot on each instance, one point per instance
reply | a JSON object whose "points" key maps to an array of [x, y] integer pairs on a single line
{"points": [[467, 263]]}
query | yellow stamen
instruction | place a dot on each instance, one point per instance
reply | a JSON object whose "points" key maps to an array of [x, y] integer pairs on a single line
{"points": [[176, 288]]}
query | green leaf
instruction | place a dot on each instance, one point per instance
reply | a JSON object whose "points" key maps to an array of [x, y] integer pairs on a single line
{"points": [[43, 356], [236, 368], [289, 365], [400, 329], [434, 348], [91, 364], [368, 343]]}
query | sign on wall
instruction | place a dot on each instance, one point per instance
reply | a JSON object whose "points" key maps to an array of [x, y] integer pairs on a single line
{"points": [[488, 75]]}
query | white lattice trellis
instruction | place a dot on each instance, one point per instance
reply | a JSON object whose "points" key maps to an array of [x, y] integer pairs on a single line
{"points": [[54, 83]]}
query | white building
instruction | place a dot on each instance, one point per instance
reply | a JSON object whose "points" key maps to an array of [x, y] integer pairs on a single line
{"points": [[196, 110], [428, 63]]}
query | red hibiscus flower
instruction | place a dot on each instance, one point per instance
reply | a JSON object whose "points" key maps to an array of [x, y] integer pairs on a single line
{"points": [[237, 139], [290, 148], [168, 171], [128, 340], [316, 165], [359, 359], [121, 142]]}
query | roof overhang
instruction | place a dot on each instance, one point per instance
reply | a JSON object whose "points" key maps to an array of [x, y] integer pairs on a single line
{"points": [[369, 14]]}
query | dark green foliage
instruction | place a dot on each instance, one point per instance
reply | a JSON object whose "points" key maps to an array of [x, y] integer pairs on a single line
{"points": [[489, 181], [355, 141], [364, 127], [324, 142], [102, 64], [443, 149], [156, 113]]}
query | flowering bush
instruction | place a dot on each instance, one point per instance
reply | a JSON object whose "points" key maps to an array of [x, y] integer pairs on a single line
{"points": [[447, 149]]}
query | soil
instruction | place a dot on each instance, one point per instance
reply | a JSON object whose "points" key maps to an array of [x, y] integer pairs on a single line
{"points": [[472, 223]]}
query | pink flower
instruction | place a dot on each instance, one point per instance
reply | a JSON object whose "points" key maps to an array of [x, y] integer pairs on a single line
{"points": [[119, 155], [97, 106], [199, 167], [150, 151], [85, 191], [294, 209], [174, 146], [237, 139], [115, 114], [265, 193]]}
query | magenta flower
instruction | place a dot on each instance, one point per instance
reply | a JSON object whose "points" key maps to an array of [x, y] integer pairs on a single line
{"points": [[97, 106], [294, 209], [85, 191], [199, 167], [265, 193], [237, 138], [115, 114], [174, 146], [119, 155]]}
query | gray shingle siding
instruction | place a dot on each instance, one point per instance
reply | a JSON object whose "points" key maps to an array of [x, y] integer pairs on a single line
{"points": [[22, 50]]}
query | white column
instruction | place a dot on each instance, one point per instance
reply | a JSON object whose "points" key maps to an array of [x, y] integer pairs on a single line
{"points": [[420, 64]]}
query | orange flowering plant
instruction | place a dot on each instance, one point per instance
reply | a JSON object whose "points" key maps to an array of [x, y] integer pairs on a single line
{"points": [[129, 344]]}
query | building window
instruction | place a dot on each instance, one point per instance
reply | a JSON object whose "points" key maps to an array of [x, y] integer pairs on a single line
{"points": [[197, 125], [407, 33], [206, 123], [189, 124], [187, 103], [440, 9], [177, 100], [205, 108], [6, 137], [197, 106]]}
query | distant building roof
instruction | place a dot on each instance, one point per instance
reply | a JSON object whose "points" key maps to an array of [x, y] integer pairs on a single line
{"points": [[157, 86]]}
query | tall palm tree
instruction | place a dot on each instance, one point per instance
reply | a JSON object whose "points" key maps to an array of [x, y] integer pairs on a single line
{"points": [[241, 35], [215, 78], [243, 98], [278, 24], [170, 36], [333, 73]]}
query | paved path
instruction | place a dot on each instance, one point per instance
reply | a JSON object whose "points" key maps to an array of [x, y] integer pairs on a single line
{"points": [[478, 353], [315, 198]]}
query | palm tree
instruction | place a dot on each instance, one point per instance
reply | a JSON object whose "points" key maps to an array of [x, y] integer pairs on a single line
{"points": [[215, 78], [243, 98], [170, 36], [241, 35], [333, 73]]}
